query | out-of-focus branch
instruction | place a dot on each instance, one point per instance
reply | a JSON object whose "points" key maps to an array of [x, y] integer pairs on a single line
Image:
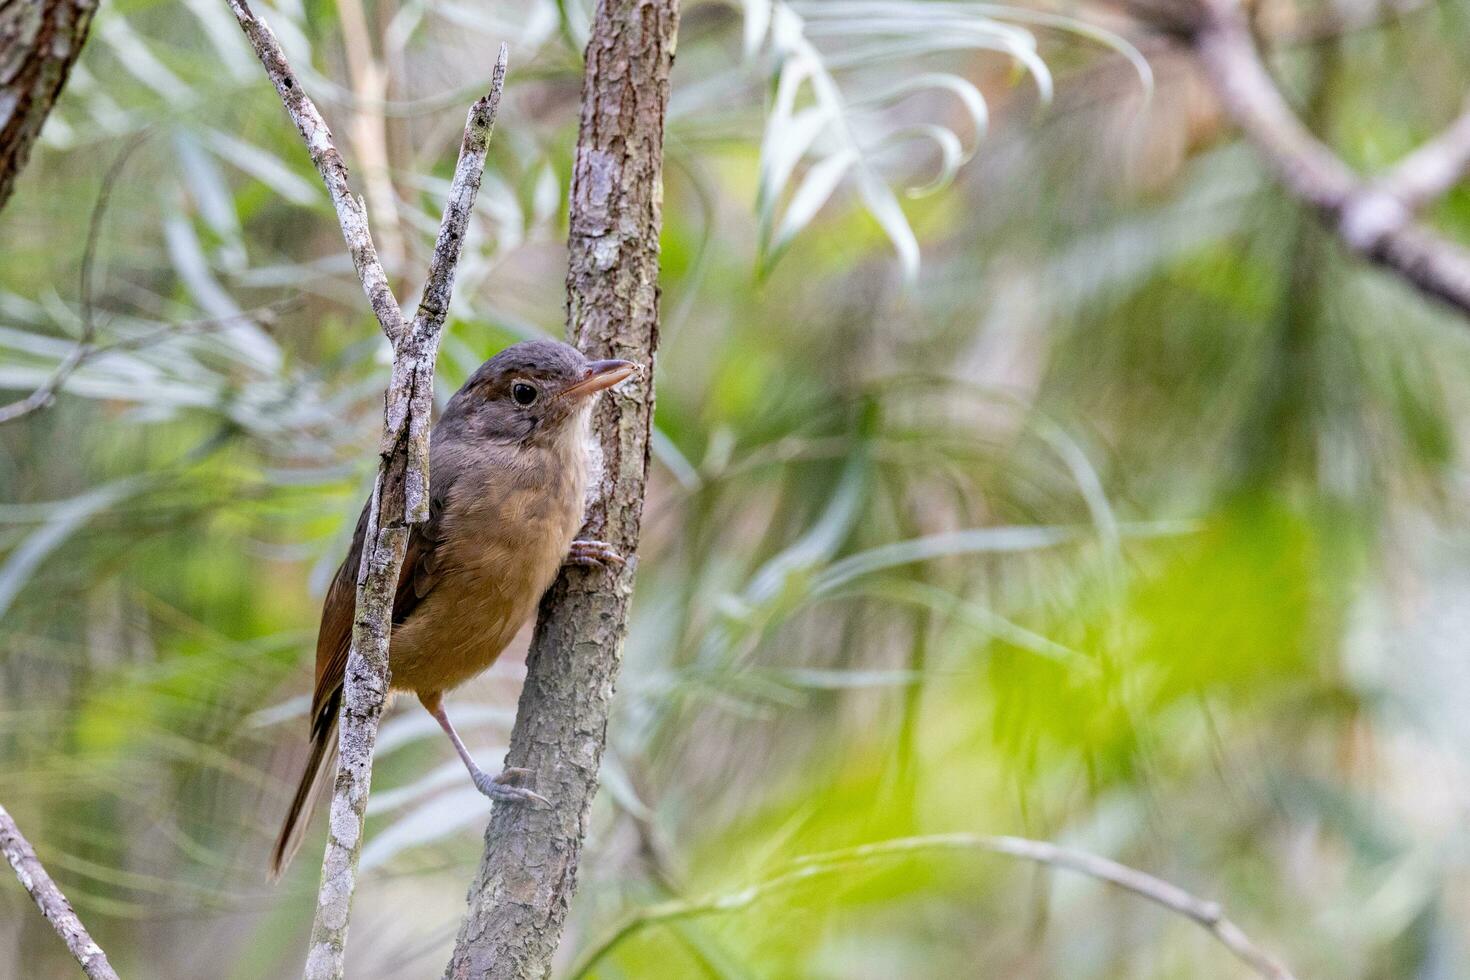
{"points": [[1434, 168], [1374, 219], [528, 873], [87, 350], [369, 129], [45, 393], [401, 493], [1206, 914], [51, 901]]}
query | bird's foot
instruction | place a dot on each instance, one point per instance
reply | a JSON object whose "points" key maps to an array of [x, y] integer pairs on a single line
{"points": [[507, 787], [600, 553]]}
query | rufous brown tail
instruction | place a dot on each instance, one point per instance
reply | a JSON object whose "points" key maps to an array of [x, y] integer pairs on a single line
{"points": [[298, 816]]}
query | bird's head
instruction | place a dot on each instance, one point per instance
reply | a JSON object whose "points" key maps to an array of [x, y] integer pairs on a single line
{"points": [[534, 391]]}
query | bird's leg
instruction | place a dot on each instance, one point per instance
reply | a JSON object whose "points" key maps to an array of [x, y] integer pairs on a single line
{"points": [[586, 552], [504, 787]]}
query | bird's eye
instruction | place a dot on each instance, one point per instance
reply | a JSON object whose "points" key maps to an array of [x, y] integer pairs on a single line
{"points": [[523, 393]]}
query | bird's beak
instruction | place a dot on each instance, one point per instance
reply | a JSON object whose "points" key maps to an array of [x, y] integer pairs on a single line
{"points": [[600, 375]]}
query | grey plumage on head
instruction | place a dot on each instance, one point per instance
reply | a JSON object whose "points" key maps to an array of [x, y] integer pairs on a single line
{"points": [[512, 397], [544, 358]]}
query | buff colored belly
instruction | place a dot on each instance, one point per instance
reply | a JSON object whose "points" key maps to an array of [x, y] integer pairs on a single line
{"points": [[490, 586]]}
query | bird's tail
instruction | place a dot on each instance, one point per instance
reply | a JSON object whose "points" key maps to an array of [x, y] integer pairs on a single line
{"points": [[323, 752]]}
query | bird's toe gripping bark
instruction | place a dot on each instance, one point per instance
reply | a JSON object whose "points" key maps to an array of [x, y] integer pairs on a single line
{"points": [[598, 553], [507, 788]]}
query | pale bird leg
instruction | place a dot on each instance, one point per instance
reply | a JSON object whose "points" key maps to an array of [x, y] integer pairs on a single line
{"points": [[503, 787], [600, 553]]}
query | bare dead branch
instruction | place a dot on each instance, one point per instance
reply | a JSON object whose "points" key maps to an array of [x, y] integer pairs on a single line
{"points": [[1206, 914], [1373, 219], [1434, 168], [45, 393], [313, 129], [401, 491], [51, 901], [400, 498], [528, 873], [83, 353], [434, 304]]}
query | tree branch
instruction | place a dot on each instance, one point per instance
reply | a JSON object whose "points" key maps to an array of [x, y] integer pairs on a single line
{"points": [[1373, 219], [528, 873], [1208, 915], [51, 901], [45, 393], [401, 491], [351, 213], [1434, 168], [39, 42]]}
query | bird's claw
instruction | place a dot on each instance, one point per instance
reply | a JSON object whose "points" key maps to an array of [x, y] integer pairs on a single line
{"points": [[507, 787], [599, 553]]}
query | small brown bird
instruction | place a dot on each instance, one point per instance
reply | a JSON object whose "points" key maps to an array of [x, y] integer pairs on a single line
{"points": [[507, 477]]}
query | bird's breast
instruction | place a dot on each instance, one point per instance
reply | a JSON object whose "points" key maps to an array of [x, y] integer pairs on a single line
{"points": [[505, 536]]}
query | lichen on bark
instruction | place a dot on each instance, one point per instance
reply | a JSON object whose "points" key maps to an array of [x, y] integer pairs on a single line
{"points": [[518, 903]]}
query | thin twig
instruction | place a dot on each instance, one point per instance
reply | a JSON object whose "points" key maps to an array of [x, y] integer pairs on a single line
{"points": [[369, 133], [44, 395], [1434, 168], [263, 316], [351, 214], [84, 353], [51, 901], [1370, 218], [434, 305], [1206, 914]]}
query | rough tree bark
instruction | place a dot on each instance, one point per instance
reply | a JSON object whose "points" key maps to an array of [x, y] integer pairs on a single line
{"points": [[519, 900], [401, 493], [51, 901], [39, 42]]}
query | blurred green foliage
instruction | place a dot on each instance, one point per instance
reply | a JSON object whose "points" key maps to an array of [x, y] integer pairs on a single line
{"points": [[1132, 517]]}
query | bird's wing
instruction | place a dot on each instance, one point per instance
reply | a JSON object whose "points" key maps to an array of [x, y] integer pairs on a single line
{"points": [[420, 573]]}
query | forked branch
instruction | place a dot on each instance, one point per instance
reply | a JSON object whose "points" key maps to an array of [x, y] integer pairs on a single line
{"points": [[401, 492], [1373, 218]]}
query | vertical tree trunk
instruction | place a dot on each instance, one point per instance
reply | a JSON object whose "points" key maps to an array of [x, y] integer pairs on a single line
{"points": [[39, 41], [518, 904]]}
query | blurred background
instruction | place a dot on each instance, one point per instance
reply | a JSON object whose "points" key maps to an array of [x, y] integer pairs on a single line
{"points": [[1025, 463]]}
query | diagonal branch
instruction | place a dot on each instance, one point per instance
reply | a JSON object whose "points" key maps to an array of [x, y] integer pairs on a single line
{"points": [[1206, 914], [528, 872], [401, 492], [1373, 219], [439, 284], [51, 901], [1434, 168], [39, 42], [313, 129]]}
